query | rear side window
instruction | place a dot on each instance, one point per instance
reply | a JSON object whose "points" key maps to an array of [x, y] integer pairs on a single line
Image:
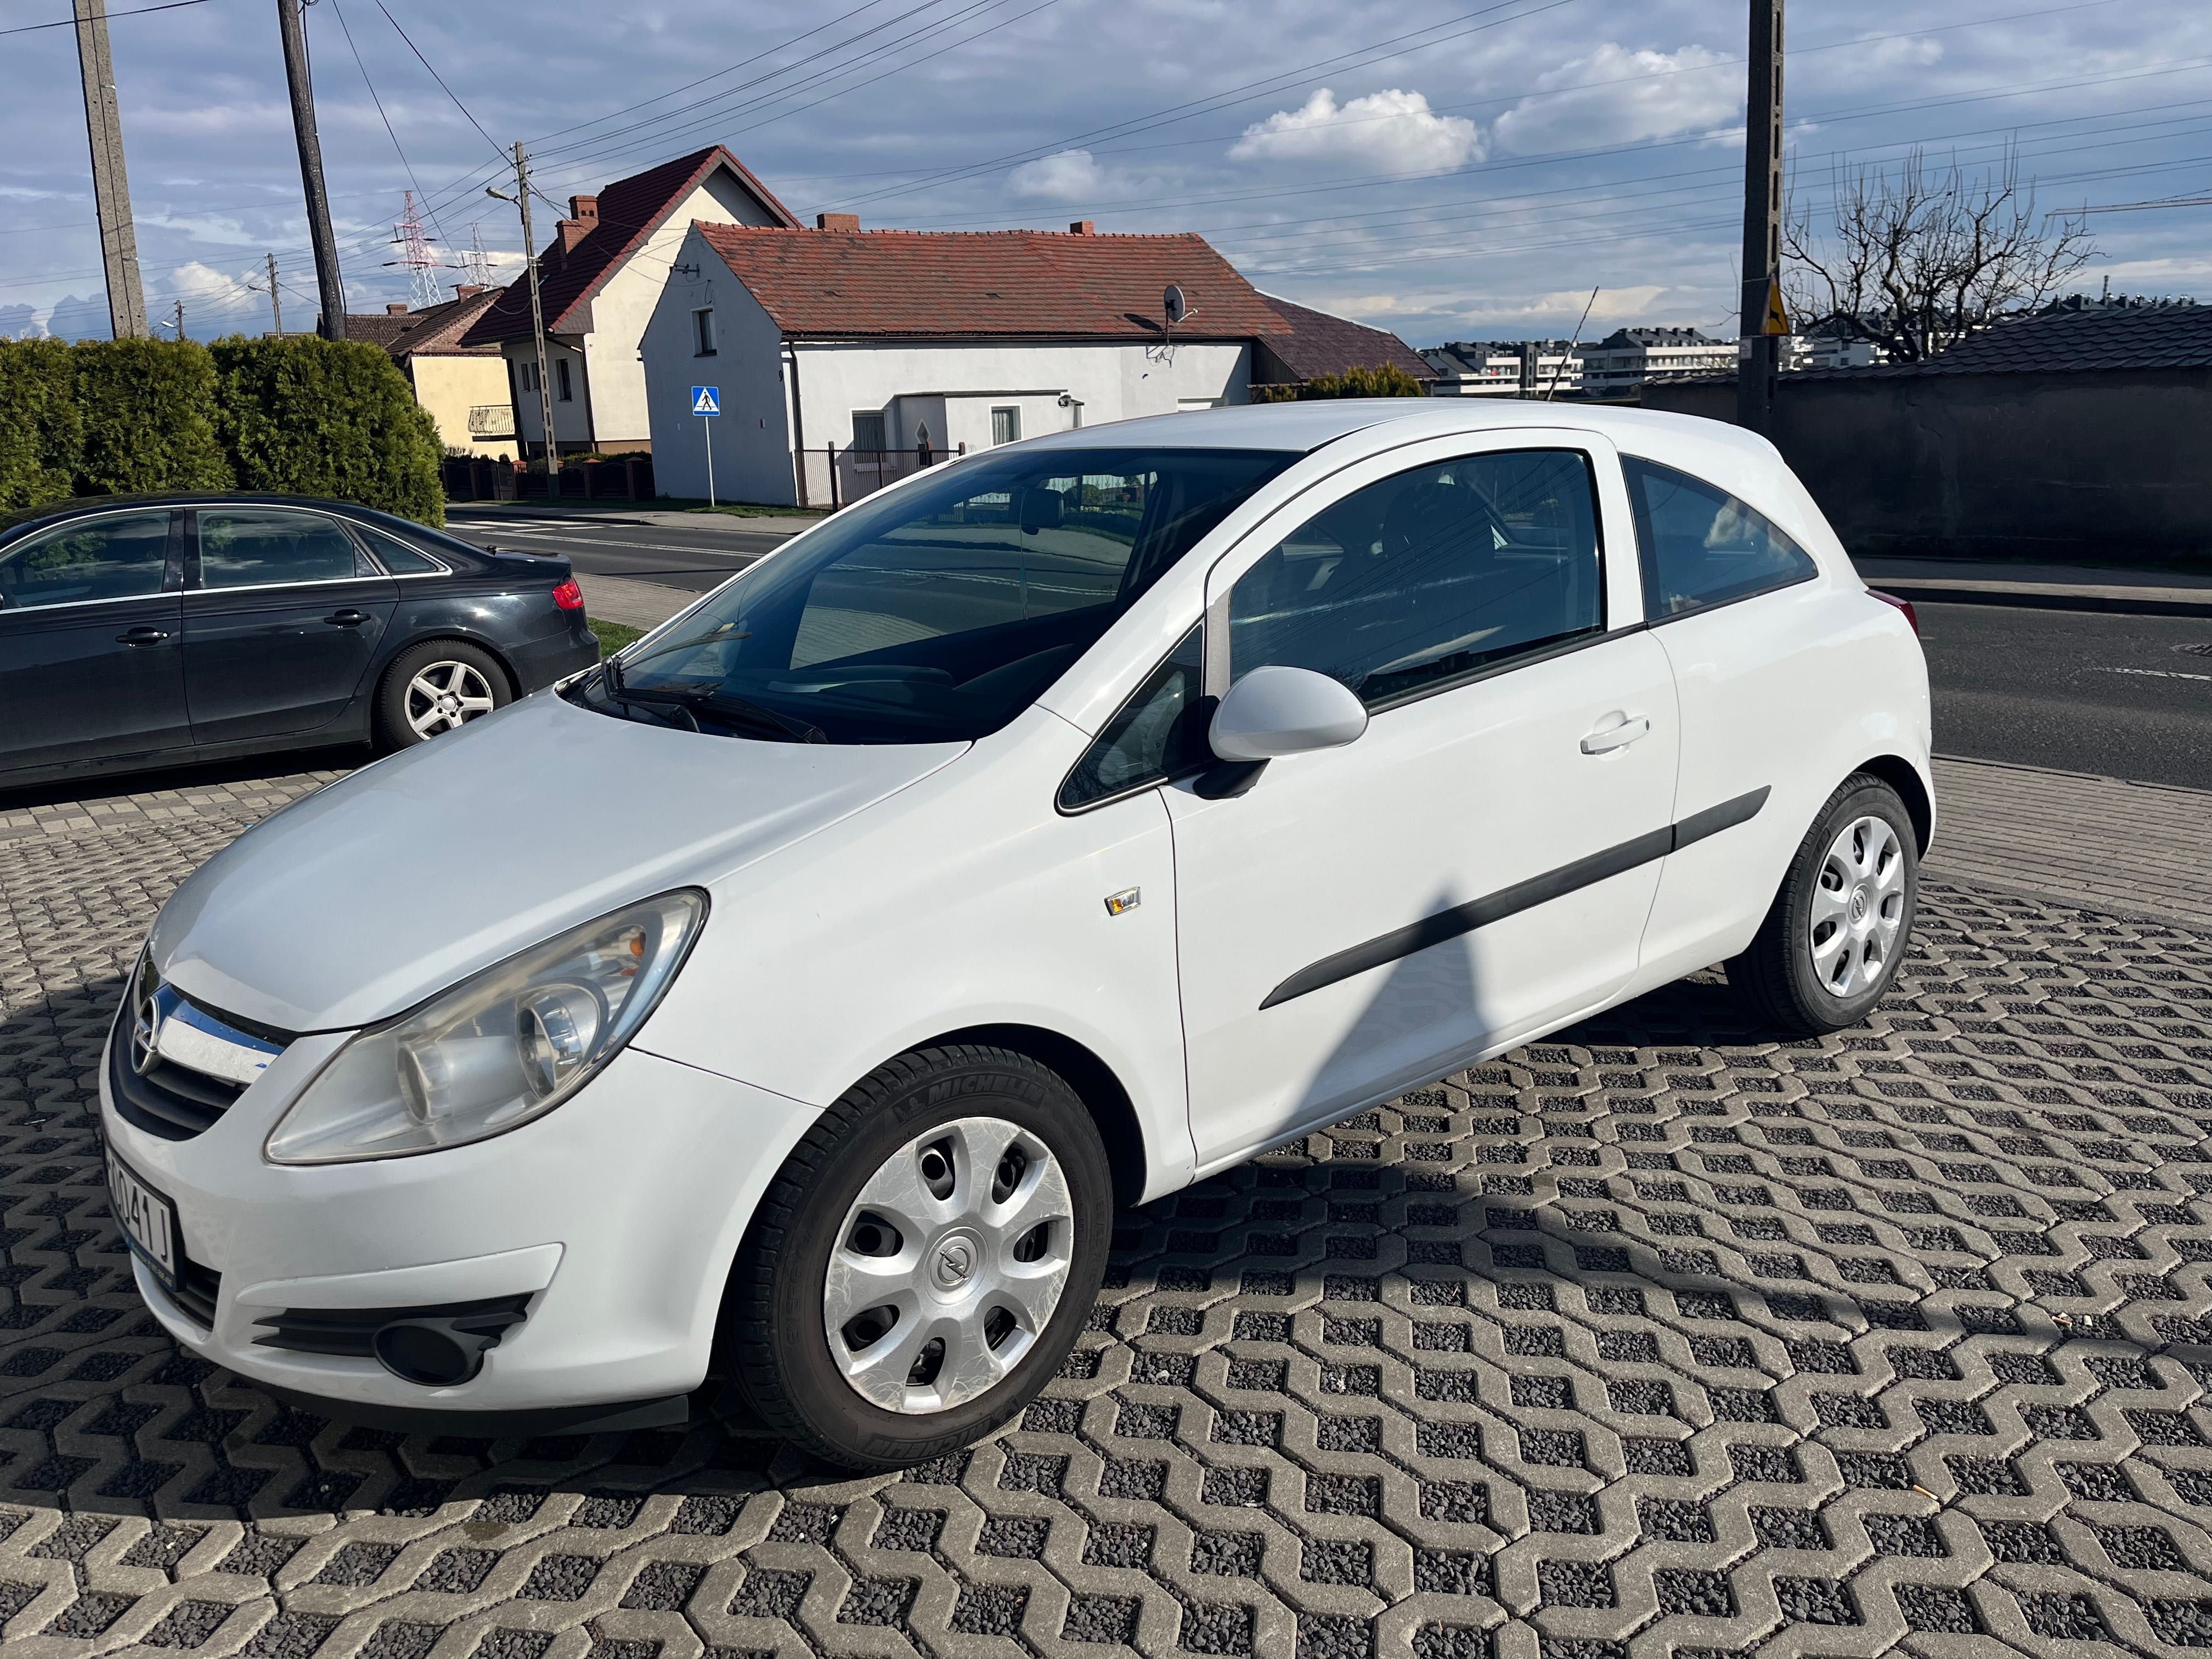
{"points": [[396, 556], [1700, 546], [251, 549], [1428, 576], [1156, 736]]}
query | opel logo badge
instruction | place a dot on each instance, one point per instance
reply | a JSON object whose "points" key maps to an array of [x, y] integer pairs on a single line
{"points": [[146, 1037], [955, 1261]]}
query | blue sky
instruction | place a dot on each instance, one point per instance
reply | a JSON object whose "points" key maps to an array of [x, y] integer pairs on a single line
{"points": [[1451, 169]]}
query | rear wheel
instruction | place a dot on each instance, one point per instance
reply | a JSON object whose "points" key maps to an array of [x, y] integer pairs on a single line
{"points": [[1833, 940], [437, 687], [924, 1261]]}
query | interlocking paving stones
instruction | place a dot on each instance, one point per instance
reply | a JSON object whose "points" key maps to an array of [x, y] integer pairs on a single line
{"points": [[1655, 1338]]}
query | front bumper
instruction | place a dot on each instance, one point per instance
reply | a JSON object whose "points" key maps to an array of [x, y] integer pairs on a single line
{"points": [[617, 1215]]}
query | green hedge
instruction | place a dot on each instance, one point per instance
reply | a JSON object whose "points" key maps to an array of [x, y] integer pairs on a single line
{"points": [[317, 417], [1381, 381], [301, 416]]}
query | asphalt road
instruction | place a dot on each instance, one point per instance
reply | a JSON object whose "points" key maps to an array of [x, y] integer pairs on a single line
{"points": [[671, 554], [2080, 691], [2126, 696]]}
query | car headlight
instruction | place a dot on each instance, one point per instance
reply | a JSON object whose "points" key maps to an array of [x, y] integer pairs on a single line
{"points": [[502, 1047]]}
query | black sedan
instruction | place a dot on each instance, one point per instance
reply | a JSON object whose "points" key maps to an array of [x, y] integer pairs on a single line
{"points": [[146, 631]]}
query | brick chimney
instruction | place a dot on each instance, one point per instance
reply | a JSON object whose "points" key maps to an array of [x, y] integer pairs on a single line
{"points": [[1082, 227], [467, 290], [836, 221], [583, 219], [391, 310]]}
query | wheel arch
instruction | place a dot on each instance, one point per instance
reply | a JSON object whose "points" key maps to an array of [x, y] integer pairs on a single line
{"points": [[1095, 1083], [459, 637], [1900, 775]]}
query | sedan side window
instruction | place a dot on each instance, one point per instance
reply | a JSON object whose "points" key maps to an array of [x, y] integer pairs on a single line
{"points": [[1158, 734], [1429, 577], [124, 556], [242, 548], [396, 557], [1700, 546]]}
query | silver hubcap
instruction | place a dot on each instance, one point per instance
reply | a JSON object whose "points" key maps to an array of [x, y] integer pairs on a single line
{"points": [[949, 1266], [445, 695], [1858, 908]]}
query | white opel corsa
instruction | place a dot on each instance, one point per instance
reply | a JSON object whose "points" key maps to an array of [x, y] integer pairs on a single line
{"points": [[1050, 830]]}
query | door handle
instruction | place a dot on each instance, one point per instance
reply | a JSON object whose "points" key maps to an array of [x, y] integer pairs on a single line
{"points": [[1608, 737], [348, 617], [140, 635]]}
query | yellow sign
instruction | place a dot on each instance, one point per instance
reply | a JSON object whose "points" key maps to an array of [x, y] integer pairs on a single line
{"points": [[1778, 317]]}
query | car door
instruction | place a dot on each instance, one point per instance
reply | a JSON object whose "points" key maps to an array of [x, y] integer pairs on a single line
{"points": [[1479, 863], [282, 618], [90, 663], [1759, 647]]}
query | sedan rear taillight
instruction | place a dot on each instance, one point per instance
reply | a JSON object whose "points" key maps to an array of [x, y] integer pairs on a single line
{"points": [[1906, 606], [569, 597]]}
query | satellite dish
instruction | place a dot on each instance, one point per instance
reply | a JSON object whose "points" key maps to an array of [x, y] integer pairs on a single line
{"points": [[1172, 305]]}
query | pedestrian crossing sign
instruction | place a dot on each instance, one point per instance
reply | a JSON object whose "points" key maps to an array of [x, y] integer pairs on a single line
{"points": [[706, 400]]}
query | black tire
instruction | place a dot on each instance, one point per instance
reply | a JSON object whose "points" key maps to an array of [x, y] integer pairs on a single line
{"points": [[394, 728], [773, 1334], [1776, 978]]}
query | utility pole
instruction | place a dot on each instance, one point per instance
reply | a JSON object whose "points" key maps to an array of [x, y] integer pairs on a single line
{"points": [[275, 305], [179, 325], [111, 185], [522, 199], [1762, 323], [299, 78]]}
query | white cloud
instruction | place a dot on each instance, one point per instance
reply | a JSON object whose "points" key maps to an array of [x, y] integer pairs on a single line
{"points": [[1070, 175], [1616, 96], [1391, 132]]}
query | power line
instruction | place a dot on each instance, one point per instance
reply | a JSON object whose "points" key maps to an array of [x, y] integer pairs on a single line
{"points": [[70, 23], [398, 149]]}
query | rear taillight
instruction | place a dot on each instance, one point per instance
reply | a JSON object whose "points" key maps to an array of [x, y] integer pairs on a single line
{"points": [[569, 597], [1906, 606]]}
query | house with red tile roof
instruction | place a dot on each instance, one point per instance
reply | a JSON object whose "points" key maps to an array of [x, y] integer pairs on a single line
{"points": [[463, 388], [841, 357], [598, 281]]}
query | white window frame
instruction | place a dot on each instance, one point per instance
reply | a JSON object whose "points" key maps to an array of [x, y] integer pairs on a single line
{"points": [[702, 332], [1013, 413]]}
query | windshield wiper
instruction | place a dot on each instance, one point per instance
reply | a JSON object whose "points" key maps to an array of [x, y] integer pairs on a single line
{"points": [[712, 699]]}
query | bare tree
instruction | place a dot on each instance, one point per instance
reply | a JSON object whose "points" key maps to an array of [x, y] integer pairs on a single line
{"points": [[1916, 259]]}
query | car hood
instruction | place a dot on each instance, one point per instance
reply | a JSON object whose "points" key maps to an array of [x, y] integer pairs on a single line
{"points": [[356, 903]]}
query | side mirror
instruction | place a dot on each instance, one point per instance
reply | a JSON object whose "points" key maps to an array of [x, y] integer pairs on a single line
{"points": [[1042, 509], [1275, 711]]}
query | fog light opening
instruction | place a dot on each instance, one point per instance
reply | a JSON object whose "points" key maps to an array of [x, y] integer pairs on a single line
{"points": [[430, 1353]]}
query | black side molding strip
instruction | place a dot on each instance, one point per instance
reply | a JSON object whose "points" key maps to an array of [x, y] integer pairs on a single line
{"points": [[1521, 896]]}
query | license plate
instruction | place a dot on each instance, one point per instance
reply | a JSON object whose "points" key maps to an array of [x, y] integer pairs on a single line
{"points": [[148, 1219]]}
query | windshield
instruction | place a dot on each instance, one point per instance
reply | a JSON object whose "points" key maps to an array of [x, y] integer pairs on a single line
{"points": [[938, 612]]}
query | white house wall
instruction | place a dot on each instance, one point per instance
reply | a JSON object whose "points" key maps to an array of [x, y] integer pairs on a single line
{"points": [[572, 421], [752, 436], [1114, 380]]}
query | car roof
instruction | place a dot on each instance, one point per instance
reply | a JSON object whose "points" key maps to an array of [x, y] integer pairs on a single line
{"points": [[1305, 426]]}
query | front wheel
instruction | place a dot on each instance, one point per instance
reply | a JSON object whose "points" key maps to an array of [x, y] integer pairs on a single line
{"points": [[1833, 940], [924, 1261]]}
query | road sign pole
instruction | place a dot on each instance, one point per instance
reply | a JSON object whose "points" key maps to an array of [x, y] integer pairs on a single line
{"points": [[707, 427]]}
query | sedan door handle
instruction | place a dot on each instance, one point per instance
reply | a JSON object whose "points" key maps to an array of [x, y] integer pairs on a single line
{"points": [[1608, 737], [140, 635], [347, 618]]}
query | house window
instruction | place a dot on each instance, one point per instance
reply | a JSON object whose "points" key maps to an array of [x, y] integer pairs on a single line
{"points": [[1005, 426], [702, 332], [528, 376], [560, 379], [868, 430]]}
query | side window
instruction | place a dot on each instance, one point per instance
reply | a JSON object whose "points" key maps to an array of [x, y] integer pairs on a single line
{"points": [[123, 556], [1428, 576], [1701, 546], [1157, 735], [243, 548], [396, 556]]}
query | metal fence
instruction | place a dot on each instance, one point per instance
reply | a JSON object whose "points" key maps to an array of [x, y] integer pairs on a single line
{"points": [[831, 476]]}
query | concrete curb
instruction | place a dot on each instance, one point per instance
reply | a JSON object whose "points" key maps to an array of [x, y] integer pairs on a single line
{"points": [[2040, 598]]}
